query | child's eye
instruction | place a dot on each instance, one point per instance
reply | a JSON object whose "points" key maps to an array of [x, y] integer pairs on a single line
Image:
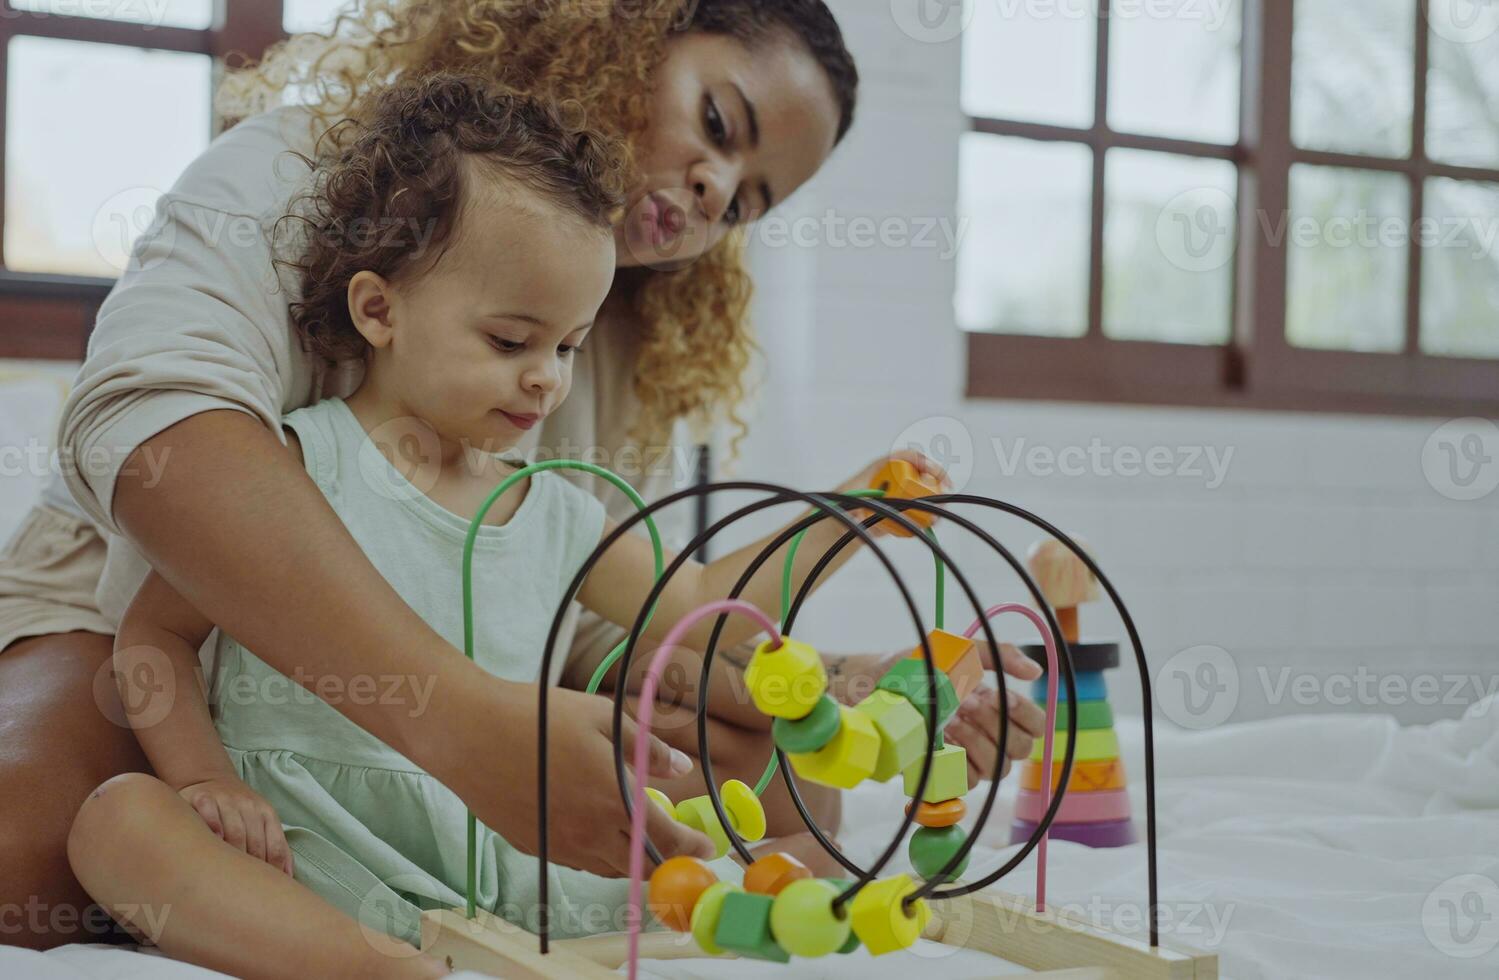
{"points": [[505, 346]]}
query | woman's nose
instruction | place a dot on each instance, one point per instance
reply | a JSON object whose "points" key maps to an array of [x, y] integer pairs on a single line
{"points": [[714, 190]]}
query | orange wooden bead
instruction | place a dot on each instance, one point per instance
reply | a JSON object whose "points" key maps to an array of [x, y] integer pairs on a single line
{"points": [[904, 481], [957, 657], [769, 874], [944, 814], [676, 885]]}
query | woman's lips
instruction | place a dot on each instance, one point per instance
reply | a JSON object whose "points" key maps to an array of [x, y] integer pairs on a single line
{"points": [[661, 220], [521, 421]]}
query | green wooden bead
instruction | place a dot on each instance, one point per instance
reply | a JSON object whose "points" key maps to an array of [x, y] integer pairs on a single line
{"points": [[908, 679], [803, 922], [932, 847], [744, 927], [949, 777], [810, 733]]}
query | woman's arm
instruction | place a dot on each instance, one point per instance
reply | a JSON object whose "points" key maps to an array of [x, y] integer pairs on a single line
{"points": [[233, 523]]}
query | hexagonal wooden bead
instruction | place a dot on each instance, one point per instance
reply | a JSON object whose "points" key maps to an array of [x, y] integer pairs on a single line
{"points": [[810, 733], [746, 812], [744, 927], [848, 759], [902, 732], [769, 874], [786, 681], [900, 479], [957, 657], [803, 921], [908, 678], [949, 777], [705, 915], [880, 921], [698, 813], [676, 885], [944, 814]]}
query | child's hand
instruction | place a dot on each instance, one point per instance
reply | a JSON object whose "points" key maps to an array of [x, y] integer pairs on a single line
{"points": [[242, 818]]}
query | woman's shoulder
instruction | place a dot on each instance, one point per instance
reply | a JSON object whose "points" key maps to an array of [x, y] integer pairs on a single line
{"points": [[254, 168]]}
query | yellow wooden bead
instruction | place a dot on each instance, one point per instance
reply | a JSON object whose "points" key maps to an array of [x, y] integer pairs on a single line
{"points": [[746, 812], [949, 776], [879, 920], [849, 759], [786, 682], [660, 799], [902, 732], [698, 814], [705, 916]]}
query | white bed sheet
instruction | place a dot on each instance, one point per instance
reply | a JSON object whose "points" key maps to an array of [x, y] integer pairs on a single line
{"points": [[1326, 847]]}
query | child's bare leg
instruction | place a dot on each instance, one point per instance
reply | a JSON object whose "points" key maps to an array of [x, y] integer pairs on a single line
{"points": [[144, 854]]}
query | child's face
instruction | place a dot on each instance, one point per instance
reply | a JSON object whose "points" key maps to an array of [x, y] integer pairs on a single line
{"points": [[480, 344]]}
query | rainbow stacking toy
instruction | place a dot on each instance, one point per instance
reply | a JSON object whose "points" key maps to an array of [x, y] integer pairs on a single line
{"points": [[1096, 810]]}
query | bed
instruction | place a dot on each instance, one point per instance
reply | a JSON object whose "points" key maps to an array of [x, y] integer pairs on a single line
{"points": [[1315, 846]]}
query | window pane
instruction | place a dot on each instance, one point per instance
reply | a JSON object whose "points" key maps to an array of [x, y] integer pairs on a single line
{"points": [[1460, 269], [1353, 76], [195, 14], [312, 15], [1032, 62], [1346, 244], [1174, 69], [1461, 126], [85, 162], [1169, 232], [1023, 266]]}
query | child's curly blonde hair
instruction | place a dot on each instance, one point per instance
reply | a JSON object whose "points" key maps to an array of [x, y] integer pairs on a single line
{"points": [[594, 60]]}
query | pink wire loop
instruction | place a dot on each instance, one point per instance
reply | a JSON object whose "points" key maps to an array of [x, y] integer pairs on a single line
{"points": [[1051, 720], [642, 744]]}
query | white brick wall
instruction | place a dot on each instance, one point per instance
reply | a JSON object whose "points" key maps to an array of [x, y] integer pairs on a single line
{"points": [[1323, 551]]}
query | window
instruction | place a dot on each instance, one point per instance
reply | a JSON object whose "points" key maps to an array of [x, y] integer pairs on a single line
{"points": [[1235, 203], [102, 105]]}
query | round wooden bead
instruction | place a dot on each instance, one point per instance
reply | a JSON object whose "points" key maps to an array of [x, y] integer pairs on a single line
{"points": [[944, 814], [676, 885], [746, 812], [661, 800], [705, 916], [810, 733], [803, 921], [773, 872], [786, 681], [932, 847], [698, 813]]}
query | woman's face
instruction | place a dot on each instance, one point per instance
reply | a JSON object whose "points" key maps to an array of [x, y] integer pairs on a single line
{"points": [[733, 131]]}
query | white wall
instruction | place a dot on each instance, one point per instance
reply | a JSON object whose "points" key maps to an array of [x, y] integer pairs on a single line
{"points": [[1325, 558]]}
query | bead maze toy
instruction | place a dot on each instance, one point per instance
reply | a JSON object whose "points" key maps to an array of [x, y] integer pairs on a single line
{"points": [[1096, 811], [781, 909]]}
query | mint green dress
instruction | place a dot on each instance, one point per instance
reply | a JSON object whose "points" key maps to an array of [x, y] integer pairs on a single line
{"points": [[369, 830]]}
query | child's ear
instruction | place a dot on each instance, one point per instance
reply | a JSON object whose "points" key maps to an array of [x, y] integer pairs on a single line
{"points": [[369, 308]]}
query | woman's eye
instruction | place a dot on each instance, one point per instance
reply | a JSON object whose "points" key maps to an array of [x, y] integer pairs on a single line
{"points": [[567, 351], [716, 127], [732, 214]]}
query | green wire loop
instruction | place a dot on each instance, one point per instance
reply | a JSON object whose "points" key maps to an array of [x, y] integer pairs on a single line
{"points": [[468, 599]]}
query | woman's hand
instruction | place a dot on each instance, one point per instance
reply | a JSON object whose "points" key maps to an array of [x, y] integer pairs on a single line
{"points": [[242, 818]]}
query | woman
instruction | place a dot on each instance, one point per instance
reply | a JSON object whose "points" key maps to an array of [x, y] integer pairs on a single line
{"points": [[170, 441]]}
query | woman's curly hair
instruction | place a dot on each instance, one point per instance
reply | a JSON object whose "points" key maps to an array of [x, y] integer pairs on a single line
{"points": [[388, 199], [597, 58]]}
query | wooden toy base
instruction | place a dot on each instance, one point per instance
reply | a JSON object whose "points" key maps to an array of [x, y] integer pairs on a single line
{"points": [[1057, 945]]}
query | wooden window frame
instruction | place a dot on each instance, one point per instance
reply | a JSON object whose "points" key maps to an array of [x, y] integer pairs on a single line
{"points": [[49, 317], [1258, 368]]}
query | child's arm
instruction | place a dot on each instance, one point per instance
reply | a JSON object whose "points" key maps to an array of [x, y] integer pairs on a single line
{"points": [[621, 580]]}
